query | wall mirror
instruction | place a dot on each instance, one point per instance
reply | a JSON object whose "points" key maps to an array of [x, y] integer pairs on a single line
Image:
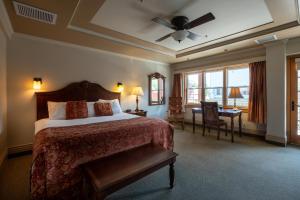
{"points": [[156, 89]]}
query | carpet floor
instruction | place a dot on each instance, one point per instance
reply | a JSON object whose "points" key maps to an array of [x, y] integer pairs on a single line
{"points": [[249, 169]]}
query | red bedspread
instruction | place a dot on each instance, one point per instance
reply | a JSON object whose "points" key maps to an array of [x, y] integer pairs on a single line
{"points": [[59, 152]]}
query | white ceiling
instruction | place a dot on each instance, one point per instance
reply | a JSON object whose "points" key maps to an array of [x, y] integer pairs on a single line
{"points": [[232, 16]]}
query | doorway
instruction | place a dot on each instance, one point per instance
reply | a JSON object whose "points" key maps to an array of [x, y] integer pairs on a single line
{"points": [[294, 64]]}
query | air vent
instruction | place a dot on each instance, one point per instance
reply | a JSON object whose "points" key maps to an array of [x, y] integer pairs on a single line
{"points": [[34, 13], [266, 39]]}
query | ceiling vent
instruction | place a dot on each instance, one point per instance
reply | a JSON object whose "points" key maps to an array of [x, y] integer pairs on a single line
{"points": [[266, 39], [34, 13]]}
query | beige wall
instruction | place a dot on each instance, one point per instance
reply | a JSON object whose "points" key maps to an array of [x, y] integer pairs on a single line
{"points": [[3, 104], [276, 91], [60, 64]]}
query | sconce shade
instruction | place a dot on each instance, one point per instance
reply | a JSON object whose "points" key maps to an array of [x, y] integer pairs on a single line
{"points": [[120, 87], [37, 83], [235, 93], [138, 91]]}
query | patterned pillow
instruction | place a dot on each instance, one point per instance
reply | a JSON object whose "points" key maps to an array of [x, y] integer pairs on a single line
{"points": [[76, 110], [103, 109]]}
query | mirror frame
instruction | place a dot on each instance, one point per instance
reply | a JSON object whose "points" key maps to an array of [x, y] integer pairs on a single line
{"points": [[157, 76]]}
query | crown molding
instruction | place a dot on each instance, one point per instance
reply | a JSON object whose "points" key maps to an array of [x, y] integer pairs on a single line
{"points": [[277, 43], [75, 28], [223, 58], [5, 21]]}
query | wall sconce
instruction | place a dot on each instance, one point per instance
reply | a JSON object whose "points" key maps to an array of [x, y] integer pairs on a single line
{"points": [[120, 87], [37, 83]]}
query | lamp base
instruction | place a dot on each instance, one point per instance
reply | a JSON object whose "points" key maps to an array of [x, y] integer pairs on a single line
{"points": [[235, 108], [137, 104], [234, 105]]}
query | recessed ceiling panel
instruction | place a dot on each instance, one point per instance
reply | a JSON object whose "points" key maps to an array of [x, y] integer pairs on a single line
{"points": [[133, 17]]}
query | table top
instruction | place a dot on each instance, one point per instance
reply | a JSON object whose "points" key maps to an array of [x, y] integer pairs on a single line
{"points": [[221, 111]]}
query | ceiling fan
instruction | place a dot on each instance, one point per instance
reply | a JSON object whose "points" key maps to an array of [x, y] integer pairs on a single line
{"points": [[181, 25]]}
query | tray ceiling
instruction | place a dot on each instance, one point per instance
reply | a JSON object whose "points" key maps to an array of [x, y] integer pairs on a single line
{"points": [[135, 17], [125, 26]]}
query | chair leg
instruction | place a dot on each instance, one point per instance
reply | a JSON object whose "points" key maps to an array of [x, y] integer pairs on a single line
{"points": [[226, 131], [171, 175], [209, 129], [218, 132], [182, 125], [203, 130]]}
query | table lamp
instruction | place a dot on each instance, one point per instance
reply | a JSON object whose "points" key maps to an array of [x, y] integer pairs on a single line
{"points": [[235, 93], [138, 91]]}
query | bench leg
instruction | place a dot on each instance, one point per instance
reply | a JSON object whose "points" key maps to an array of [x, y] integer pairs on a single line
{"points": [[171, 175]]}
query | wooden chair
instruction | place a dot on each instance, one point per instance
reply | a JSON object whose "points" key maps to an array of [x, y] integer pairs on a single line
{"points": [[210, 117], [175, 113]]}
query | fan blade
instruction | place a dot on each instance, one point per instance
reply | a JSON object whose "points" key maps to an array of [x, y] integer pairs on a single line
{"points": [[193, 36], [163, 38], [201, 20], [163, 22]]}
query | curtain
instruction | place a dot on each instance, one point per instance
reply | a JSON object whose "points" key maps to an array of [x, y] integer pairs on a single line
{"points": [[176, 92], [258, 93]]}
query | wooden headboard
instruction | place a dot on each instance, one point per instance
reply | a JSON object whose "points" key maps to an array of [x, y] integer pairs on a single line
{"points": [[74, 92]]}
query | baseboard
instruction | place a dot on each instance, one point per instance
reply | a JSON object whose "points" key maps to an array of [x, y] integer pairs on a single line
{"points": [[276, 140], [3, 156], [19, 149]]}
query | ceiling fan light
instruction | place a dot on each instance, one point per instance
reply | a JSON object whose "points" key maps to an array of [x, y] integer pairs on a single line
{"points": [[180, 35]]}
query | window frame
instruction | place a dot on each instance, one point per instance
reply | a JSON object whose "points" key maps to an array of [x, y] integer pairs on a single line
{"points": [[200, 87], [224, 88], [242, 66]]}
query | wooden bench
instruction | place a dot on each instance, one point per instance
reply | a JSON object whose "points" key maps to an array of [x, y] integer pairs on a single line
{"points": [[105, 176]]}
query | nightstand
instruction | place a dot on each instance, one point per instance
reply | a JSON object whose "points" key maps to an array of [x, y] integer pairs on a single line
{"points": [[142, 113]]}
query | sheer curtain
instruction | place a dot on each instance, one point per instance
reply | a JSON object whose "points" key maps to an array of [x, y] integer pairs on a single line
{"points": [[258, 93]]}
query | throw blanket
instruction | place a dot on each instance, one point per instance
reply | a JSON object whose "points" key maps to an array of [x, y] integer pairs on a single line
{"points": [[58, 152]]}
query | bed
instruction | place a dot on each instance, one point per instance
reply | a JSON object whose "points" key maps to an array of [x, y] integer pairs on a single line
{"points": [[61, 147]]}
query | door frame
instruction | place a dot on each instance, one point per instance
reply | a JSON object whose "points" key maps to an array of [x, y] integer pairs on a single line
{"points": [[292, 96]]}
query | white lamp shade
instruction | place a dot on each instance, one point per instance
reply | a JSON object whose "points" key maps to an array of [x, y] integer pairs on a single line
{"points": [[180, 35], [138, 91]]}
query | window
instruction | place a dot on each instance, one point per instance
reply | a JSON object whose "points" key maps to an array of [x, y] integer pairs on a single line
{"points": [[193, 82], [157, 89], [214, 86], [238, 77]]}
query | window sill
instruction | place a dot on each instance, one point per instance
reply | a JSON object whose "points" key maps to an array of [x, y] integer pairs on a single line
{"points": [[192, 105]]}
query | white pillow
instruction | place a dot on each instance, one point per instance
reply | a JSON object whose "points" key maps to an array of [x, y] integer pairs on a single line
{"points": [[57, 110], [91, 109], [115, 105]]}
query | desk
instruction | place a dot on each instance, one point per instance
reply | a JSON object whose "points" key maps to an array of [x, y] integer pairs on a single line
{"points": [[224, 113]]}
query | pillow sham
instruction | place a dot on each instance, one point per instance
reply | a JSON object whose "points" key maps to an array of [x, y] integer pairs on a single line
{"points": [[76, 110], [91, 109], [115, 105], [56, 110], [103, 109]]}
